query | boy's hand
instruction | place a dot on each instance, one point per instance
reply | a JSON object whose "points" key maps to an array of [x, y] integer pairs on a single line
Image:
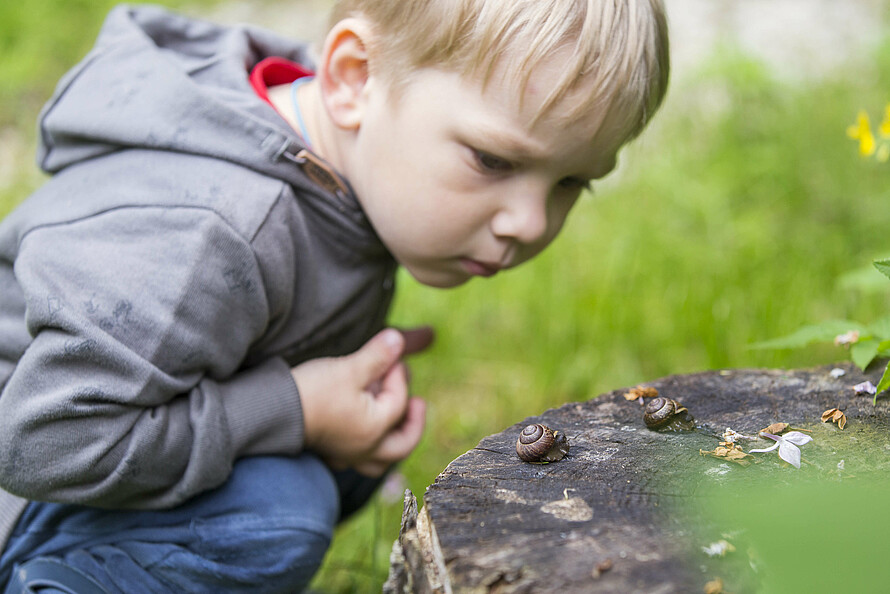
{"points": [[357, 411]]}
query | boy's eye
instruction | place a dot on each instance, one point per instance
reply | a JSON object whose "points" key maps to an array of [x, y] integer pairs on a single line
{"points": [[489, 162]]}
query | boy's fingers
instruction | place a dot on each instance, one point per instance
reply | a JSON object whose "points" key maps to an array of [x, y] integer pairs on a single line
{"points": [[390, 402], [377, 355], [401, 441], [397, 443], [371, 469]]}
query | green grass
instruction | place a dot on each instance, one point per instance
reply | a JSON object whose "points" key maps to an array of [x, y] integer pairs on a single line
{"points": [[730, 222], [39, 41]]}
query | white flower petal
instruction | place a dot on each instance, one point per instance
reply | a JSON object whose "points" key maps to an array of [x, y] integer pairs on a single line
{"points": [[865, 388], [719, 548], [797, 438], [769, 449], [847, 338], [789, 453], [837, 372]]}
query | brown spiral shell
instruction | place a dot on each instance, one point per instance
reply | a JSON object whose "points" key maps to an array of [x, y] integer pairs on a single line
{"points": [[666, 413], [540, 444]]}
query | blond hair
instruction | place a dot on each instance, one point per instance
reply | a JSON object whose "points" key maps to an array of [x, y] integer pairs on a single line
{"points": [[619, 48]]}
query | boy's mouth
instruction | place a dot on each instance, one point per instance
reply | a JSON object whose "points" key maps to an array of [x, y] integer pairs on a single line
{"points": [[477, 268]]}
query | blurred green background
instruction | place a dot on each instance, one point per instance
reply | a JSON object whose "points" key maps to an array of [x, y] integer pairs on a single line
{"points": [[735, 218]]}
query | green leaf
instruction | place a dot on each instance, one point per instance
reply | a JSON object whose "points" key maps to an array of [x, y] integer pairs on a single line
{"points": [[863, 279], [880, 328], [823, 332], [884, 348], [884, 266], [883, 384], [864, 352]]}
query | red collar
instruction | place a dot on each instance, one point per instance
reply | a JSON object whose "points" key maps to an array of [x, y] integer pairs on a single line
{"points": [[275, 71]]}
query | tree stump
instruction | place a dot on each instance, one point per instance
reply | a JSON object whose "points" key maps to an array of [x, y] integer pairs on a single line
{"points": [[606, 517]]}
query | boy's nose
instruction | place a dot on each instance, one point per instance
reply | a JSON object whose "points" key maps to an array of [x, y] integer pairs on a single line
{"points": [[523, 218]]}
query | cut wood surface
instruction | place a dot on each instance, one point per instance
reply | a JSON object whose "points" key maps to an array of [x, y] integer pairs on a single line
{"points": [[618, 514]]}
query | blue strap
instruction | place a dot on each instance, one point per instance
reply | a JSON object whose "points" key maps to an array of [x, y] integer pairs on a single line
{"points": [[299, 114], [37, 574]]}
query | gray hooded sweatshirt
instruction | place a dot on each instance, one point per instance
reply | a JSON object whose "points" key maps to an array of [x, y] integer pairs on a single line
{"points": [[156, 291]]}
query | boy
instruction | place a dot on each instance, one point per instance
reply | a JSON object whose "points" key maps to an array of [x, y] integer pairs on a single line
{"points": [[196, 378]]}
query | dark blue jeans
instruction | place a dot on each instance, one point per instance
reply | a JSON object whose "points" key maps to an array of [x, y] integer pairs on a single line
{"points": [[265, 530]]}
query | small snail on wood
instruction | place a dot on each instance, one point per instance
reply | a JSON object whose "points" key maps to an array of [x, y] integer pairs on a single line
{"points": [[665, 413], [540, 444]]}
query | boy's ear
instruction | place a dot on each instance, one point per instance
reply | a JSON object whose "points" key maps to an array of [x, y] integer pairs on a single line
{"points": [[343, 75]]}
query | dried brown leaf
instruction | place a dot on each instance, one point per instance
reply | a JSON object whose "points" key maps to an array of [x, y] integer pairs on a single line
{"points": [[730, 452], [775, 428], [601, 568], [835, 415], [641, 392], [715, 586]]}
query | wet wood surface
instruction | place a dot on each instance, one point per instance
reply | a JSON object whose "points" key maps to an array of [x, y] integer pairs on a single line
{"points": [[618, 514]]}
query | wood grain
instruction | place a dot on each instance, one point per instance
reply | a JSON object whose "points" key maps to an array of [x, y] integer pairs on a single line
{"points": [[619, 513]]}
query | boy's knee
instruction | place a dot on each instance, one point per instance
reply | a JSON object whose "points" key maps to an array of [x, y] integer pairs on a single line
{"points": [[277, 537], [250, 556], [300, 492], [244, 558], [268, 526]]}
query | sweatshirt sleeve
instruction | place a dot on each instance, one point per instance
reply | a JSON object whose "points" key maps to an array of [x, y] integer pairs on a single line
{"points": [[132, 393]]}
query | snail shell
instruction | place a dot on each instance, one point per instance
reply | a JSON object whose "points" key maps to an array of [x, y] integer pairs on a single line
{"points": [[666, 413], [540, 444]]}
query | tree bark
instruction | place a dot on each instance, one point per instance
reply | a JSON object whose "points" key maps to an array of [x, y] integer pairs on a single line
{"points": [[607, 517]]}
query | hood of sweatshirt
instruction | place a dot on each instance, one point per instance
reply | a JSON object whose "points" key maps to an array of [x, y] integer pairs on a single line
{"points": [[162, 81], [270, 264]]}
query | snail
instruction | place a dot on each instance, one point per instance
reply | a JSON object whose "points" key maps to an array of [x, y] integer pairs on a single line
{"points": [[540, 444], [665, 413]]}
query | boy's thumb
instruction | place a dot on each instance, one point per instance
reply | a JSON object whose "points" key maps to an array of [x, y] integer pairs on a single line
{"points": [[380, 353]]}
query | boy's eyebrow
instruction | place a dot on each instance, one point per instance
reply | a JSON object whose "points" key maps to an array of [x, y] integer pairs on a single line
{"points": [[511, 143], [522, 148]]}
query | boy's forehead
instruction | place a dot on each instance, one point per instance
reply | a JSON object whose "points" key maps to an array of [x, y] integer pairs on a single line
{"points": [[527, 100], [532, 87], [510, 117]]}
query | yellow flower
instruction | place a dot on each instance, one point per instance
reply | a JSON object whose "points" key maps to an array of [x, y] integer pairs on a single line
{"points": [[884, 128], [861, 131]]}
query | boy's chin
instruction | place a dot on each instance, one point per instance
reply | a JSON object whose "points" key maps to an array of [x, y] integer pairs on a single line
{"points": [[438, 279]]}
